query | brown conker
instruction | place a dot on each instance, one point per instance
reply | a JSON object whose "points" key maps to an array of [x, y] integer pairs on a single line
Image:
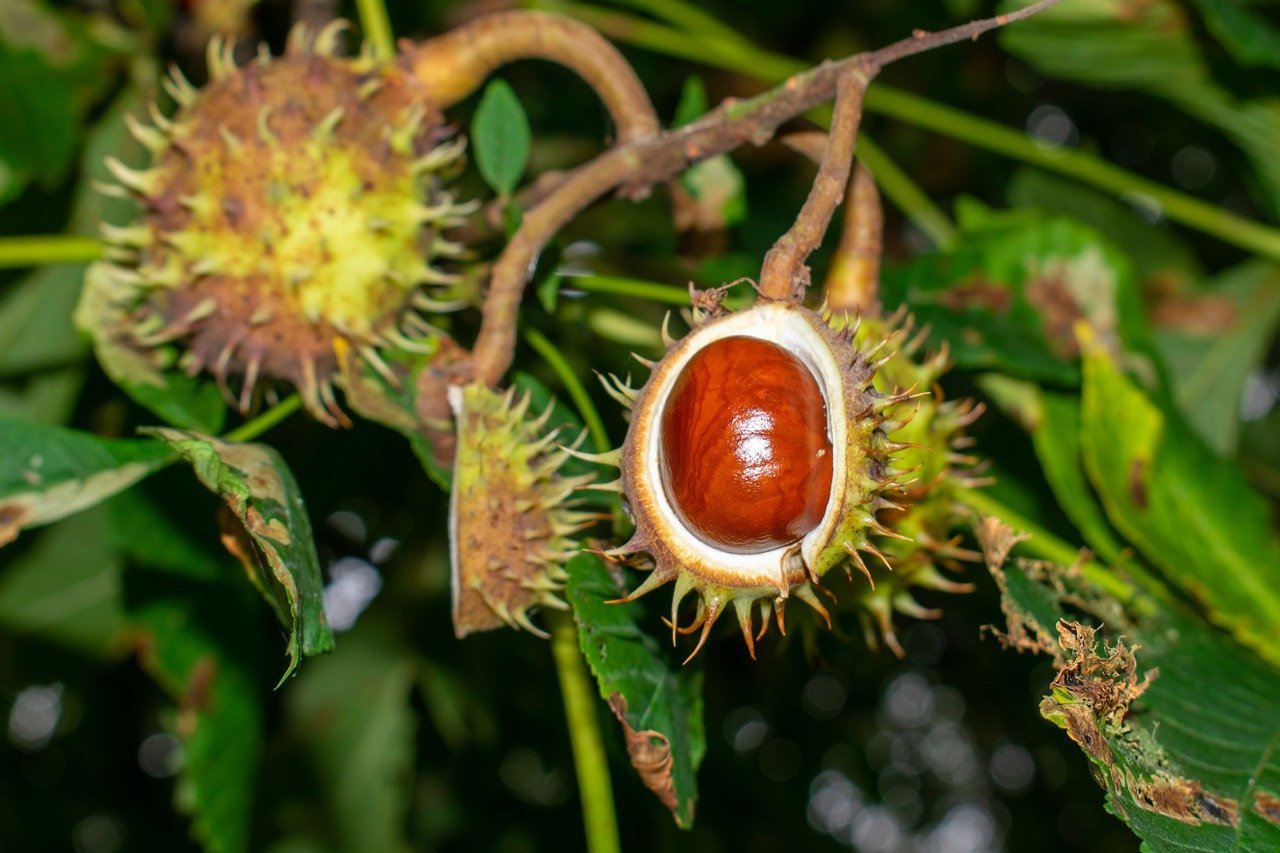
{"points": [[746, 459]]}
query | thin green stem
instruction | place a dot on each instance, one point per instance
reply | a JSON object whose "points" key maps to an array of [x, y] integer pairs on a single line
{"points": [[377, 27], [581, 399], [1046, 546], [906, 194], [580, 703], [613, 285], [743, 57], [250, 430], [684, 15], [53, 249]]}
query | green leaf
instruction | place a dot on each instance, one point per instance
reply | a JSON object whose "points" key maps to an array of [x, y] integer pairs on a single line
{"points": [[1053, 420], [56, 64], [48, 472], [1188, 761], [1152, 47], [48, 397], [500, 136], [196, 648], [352, 710], [1246, 35], [662, 703], [1212, 340], [1191, 513], [693, 101], [36, 332], [261, 493], [39, 117], [65, 586], [1008, 297], [1159, 257], [716, 185]]}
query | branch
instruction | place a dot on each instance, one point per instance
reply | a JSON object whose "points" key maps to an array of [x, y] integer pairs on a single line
{"points": [[784, 275], [663, 156], [453, 65]]}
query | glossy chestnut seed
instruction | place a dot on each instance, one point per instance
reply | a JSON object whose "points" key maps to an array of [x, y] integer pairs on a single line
{"points": [[746, 461]]}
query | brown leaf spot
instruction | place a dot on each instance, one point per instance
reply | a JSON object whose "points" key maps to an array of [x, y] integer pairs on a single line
{"points": [[12, 517], [977, 293], [1051, 296], [1137, 484], [1267, 806], [1196, 315], [1183, 800], [650, 753]]}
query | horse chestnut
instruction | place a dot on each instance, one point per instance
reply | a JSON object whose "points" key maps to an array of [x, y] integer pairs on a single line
{"points": [[746, 461]]}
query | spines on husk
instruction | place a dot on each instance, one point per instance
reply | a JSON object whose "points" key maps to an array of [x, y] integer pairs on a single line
{"points": [[292, 206], [512, 513]]}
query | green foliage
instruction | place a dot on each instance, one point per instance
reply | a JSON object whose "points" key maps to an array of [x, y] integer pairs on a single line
{"points": [[48, 473], [500, 135], [362, 752], [1009, 295], [1138, 449], [1190, 513], [274, 540], [1186, 763], [662, 703]]}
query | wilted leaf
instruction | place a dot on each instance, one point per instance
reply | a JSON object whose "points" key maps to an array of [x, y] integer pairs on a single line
{"points": [[1189, 512], [1178, 722], [500, 138], [48, 472], [662, 704], [280, 553], [352, 712], [64, 586]]}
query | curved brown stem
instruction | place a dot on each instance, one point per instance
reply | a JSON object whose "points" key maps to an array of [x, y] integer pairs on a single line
{"points": [[453, 65], [661, 157], [853, 279], [784, 276]]}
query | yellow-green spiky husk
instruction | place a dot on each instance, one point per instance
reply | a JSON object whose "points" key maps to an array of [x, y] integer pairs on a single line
{"points": [[923, 550], [862, 418], [511, 512], [291, 215]]}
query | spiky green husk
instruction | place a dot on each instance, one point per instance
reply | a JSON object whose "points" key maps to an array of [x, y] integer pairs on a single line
{"points": [[862, 418], [511, 513], [922, 550], [291, 215]]}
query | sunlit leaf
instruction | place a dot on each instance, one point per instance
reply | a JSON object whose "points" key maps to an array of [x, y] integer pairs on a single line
{"points": [[1189, 512]]}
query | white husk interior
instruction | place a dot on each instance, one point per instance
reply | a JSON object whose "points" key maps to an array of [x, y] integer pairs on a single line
{"points": [[789, 329]]}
